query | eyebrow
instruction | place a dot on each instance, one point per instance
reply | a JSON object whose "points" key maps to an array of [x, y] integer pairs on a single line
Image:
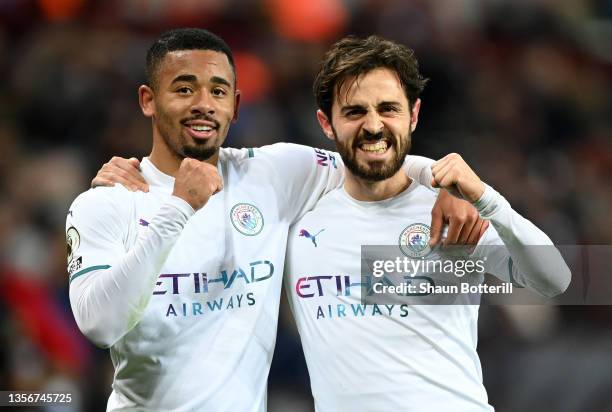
{"points": [[389, 103], [220, 80], [189, 78], [361, 107], [351, 107]]}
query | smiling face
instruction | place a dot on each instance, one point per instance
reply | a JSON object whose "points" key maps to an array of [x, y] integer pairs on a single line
{"points": [[192, 104], [371, 124]]}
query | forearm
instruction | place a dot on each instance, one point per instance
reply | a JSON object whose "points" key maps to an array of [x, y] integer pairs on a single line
{"points": [[537, 264], [108, 301]]}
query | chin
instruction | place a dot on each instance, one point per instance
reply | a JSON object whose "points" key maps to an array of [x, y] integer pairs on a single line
{"points": [[200, 153]]}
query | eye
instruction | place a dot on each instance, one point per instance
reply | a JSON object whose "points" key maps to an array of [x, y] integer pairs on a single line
{"points": [[218, 91], [184, 90], [354, 113], [384, 109]]}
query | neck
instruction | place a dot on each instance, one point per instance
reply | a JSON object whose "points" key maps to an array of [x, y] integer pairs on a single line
{"points": [[368, 191], [167, 161]]}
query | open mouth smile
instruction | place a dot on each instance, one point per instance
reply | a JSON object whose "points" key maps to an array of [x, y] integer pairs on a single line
{"points": [[200, 129]]}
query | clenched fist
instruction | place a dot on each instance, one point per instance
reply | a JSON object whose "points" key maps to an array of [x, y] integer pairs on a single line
{"points": [[196, 181], [453, 174]]}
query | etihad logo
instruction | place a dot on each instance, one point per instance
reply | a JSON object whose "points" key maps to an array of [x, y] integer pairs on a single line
{"points": [[341, 285], [177, 283], [201, 284], [307, 235]]}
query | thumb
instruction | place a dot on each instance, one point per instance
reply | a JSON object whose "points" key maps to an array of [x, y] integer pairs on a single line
{"points": [[433, 182], [437, 222]]}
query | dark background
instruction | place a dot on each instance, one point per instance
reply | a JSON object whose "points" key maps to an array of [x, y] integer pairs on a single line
{"points": [[520, 88]]}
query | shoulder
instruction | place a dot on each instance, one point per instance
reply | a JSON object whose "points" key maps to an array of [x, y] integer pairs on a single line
{"points": [[102, 201], [281, 157], [245, 153], [292, 152], [273, 153]]}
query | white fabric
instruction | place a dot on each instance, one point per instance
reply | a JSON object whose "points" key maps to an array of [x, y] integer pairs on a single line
{"points": [[187, 302], [541, 269], [389, 357]]}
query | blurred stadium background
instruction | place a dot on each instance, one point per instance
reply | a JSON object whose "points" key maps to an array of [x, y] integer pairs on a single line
{"points": [[521, 88]]}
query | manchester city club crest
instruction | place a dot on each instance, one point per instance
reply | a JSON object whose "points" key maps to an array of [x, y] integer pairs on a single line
{"points": [[414, 240], [247, 219]]}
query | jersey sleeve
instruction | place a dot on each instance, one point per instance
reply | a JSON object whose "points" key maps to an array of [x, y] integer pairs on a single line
{"points": [[111, 282], [517, 251], [304, 174], [419, 169]]}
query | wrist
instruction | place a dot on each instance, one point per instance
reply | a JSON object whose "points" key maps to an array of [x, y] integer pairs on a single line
{"points": [[478, 194], [490, 203]]}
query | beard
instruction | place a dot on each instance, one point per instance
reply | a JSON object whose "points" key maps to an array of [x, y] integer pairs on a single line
{"points": [[378, 170], [179, 146], [198, 152]]}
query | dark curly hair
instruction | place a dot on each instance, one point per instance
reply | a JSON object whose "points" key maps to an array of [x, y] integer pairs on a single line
{"points": [[353, 56]]}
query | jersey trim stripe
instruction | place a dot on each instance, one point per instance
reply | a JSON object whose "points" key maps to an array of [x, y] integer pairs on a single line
{"points": [[87, 270], [251, 152]]}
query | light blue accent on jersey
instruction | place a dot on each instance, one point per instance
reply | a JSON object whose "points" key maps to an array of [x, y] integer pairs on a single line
{"points": [[87, 270]]}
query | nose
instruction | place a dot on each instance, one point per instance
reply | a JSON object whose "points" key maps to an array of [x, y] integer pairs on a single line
{"points": [[203, 102], [373, 123]]}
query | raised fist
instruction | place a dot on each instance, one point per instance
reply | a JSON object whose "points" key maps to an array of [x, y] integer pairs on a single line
{"points": [[196, 181], [453, 174]]}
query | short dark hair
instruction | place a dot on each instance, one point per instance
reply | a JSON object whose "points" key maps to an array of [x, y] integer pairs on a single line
{"points": [[183, 39], [353, 56]]}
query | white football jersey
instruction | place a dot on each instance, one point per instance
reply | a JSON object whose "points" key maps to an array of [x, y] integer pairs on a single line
{"points": [[395, 357], [195, 329]]}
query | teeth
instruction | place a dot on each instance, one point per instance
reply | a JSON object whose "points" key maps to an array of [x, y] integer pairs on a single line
{"points": [[378, 147], [201, 128]]}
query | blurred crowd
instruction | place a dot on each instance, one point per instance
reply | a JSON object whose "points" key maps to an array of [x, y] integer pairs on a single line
{"points": [[521, 88]]}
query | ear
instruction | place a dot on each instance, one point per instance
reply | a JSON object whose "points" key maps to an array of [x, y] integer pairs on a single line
{"points": [[414, 116], [325, 124], [146, 99], [236, 105]]}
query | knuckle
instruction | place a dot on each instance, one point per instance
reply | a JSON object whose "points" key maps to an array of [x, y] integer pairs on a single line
{"points": [[458, 217]]}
